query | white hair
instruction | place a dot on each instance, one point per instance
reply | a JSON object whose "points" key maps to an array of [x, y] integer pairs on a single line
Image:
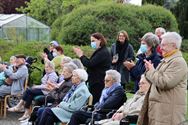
{"points": [[115, 75], [161, 30], [78, 63], [82, 74], [12, 57], [71, 66], [50, 64], [172, 37], [66, 59]]}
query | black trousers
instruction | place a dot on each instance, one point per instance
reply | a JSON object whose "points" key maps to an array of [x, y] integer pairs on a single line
{"points": [[41, 100], [79, 117], [47, 117], [29, 95], [96, 90]]}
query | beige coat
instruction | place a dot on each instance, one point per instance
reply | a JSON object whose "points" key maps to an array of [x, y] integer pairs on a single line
{"points": [[131, 107], [165, 102]]}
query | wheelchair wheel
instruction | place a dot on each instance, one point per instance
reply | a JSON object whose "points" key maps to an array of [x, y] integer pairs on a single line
{"points": [[13, 101]]}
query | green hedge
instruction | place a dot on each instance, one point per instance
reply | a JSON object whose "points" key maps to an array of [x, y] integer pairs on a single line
{"points": [[7, 49], [109, 18]]}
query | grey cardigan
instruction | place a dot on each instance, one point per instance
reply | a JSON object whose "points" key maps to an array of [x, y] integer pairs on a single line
{"points": [[18, 78]]}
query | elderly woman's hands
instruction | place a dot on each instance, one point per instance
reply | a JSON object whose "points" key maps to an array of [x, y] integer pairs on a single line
{"points": [[117, 116], [78, 51], [148, 65], [129, 64]]}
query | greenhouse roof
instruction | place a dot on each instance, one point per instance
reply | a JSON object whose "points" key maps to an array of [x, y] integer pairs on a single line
{"points": [[20, 20]]}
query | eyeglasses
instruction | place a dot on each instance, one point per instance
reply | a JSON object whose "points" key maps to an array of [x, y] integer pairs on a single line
{"points": [[107, 80]]}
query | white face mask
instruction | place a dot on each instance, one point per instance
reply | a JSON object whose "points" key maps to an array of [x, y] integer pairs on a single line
{"points": [[54, 54]]}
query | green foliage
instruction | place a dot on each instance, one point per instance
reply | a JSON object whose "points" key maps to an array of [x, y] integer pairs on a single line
{"points": [[44, 10], [47, 11], [34, 49], [109, 18]]}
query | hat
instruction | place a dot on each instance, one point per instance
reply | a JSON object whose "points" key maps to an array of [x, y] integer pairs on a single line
{"points": [[54, 43], [21, 56]]}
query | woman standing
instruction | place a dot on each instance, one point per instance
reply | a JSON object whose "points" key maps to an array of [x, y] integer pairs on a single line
{"points": [[148, 48], [121, 51], [97, 65]]}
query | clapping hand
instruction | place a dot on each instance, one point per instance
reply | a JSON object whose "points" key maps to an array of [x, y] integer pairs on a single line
{"points": [[148, 65], [78, 51], [129, 64]]}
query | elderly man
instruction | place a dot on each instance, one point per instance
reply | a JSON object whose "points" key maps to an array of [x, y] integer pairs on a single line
{"points": [[165, 104], [159, 32], [16, 78], [130, 108], [111, 98]]}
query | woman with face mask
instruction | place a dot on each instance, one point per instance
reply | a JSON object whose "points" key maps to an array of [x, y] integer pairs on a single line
{"points": [[148, 51], [97, 64]]}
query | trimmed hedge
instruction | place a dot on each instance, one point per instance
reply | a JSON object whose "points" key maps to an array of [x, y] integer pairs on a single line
{"points": [[109, 18]]}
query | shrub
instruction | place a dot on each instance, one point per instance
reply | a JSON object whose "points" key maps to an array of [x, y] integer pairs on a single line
{"points": [[34, 49], [109, 18]]}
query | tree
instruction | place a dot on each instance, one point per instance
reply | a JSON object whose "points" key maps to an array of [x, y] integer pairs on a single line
{"points": [[9, 6], [181, 12]]}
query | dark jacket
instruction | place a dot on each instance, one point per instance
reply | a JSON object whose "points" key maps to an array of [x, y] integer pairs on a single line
{"points": [[97, 65], [128, 55], [139, 68], [115, 99], [59, 93]]}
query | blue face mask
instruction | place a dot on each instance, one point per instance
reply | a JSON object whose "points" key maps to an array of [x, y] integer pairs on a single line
{"points": [[143, 48], [93, 45]]}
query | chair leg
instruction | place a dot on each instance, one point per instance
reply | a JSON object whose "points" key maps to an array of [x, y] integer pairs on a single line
{"points": [[5, 106]]}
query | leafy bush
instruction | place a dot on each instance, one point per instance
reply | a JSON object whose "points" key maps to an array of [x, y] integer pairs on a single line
{"points": [[109, 18], [34, 49]]}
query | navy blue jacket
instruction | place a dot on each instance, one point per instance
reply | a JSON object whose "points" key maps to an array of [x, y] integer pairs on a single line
{"points": [[115, 99], [139, 68]]}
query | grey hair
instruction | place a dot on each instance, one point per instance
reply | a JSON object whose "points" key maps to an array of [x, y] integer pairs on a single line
{"points": [[161, 30], [66, 59], [115, 75], [71, 66], [50, 64], [82, 74], [78, 63], [151, 39], [172, 37]]}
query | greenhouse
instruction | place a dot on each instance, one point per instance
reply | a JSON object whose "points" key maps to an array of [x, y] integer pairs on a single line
{"points": [[21, 26]]}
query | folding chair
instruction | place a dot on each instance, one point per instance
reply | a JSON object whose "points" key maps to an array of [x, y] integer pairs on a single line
{"points": [[4, 100]]}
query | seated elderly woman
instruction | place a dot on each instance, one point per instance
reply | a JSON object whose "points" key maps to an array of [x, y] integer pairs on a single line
{"points": [[112, 98], [57, 94], [36, 90], [75, 98], [132, 107]]}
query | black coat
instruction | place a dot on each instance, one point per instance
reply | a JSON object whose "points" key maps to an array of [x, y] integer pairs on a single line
{"points": [[97, 65]]}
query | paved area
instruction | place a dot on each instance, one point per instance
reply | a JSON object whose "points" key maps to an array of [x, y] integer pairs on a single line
{"points": [[11, 119]]}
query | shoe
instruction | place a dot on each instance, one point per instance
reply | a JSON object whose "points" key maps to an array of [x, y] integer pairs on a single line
{"points": [[15, 109], [24, 117]]}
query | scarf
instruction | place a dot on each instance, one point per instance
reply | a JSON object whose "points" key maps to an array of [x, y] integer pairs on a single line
{"points": [[107, 91], [121, 50], [170, 53], [69, 93]]}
